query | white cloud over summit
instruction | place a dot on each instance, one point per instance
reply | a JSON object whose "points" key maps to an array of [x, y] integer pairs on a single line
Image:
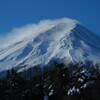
{"points": [[18, 34]]}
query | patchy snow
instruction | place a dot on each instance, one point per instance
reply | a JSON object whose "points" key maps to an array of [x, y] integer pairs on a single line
{"points": [[50, 87], [87, 84], [73, 90], [80, 80], [51, 92]]}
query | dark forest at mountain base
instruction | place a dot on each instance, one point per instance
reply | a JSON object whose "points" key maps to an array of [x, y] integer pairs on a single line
{"points": [[57, 82]]}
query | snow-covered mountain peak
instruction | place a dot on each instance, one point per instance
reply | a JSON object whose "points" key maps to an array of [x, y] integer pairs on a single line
{"points": [[48, 27], [33, 30], [63, 39]]}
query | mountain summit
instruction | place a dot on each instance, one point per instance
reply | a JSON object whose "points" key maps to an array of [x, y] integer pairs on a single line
{"points": [[64, 39]]}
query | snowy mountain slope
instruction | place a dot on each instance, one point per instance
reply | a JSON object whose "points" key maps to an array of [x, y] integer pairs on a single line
{"points": [[64, 39]]}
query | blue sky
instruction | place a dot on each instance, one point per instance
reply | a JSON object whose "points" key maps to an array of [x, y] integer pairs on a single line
{"points": [[17, 13]]}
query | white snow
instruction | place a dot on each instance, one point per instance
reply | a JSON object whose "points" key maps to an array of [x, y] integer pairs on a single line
{"points": [[51, 92], [80, 80], [87, 84], [64, 39], [50, 87], [73, 90]]}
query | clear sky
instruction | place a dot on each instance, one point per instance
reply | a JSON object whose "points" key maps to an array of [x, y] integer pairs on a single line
{"points": [[17, 13]]}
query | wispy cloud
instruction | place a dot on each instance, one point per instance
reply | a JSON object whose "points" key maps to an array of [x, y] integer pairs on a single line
{"points": [[15, 35], [20, 33]]}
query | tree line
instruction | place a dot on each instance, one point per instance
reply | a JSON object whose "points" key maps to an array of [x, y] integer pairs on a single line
{"points": [[55, 82]]}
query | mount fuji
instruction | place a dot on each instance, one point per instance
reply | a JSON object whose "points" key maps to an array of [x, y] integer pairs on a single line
{"points": [[63, 39]]}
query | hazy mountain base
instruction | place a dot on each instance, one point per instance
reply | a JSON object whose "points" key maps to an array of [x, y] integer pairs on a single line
{"points": [[56, 82]]}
